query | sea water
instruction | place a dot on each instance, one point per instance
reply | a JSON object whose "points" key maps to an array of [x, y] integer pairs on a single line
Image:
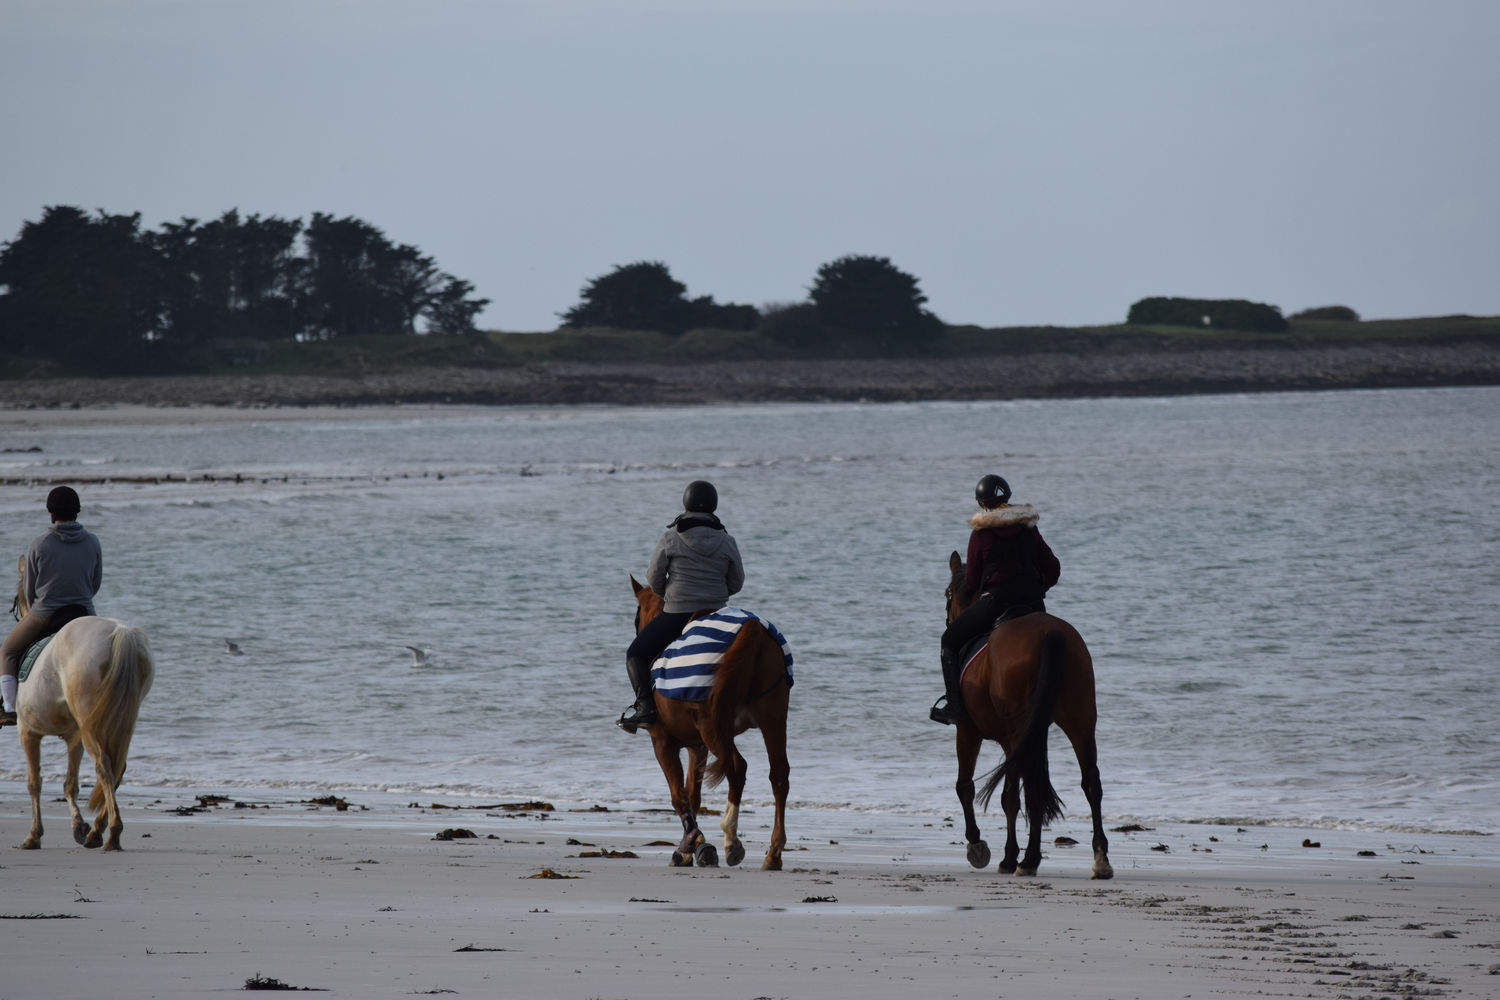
{"points": [[1291, 599]]}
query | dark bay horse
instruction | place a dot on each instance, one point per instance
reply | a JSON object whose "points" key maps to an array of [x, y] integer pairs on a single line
{"points": [[1034, 671], [750, 689]]}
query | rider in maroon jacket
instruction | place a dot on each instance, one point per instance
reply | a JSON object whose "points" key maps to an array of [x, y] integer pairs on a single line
{"points": [[1011, 567]]}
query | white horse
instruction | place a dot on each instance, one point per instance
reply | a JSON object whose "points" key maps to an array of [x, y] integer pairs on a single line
{"points": [[86, 687]]}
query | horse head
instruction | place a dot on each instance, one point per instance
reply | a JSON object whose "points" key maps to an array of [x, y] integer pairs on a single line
{"points": [[958, 596], [648, 603]]}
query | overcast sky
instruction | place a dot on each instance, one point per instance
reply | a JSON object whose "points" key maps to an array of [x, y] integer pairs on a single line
{"points": [[1029, 162]]}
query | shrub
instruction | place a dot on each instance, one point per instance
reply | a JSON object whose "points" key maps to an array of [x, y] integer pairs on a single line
{"points": [[1222, 314], [1328, 312]]}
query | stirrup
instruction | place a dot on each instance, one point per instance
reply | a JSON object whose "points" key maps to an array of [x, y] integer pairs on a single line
{"points": [[634, 717], [945, 711]]}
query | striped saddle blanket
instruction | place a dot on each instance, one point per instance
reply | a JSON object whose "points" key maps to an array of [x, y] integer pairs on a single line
{"points": [[685, 670]]}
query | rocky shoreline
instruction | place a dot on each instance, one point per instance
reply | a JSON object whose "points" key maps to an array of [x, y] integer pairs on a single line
{"points": [[1038, 375]]}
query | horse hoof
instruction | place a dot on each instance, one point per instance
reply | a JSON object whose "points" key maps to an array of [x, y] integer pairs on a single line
{"points": [[81, 833], [771, 864], [681, 859], [979, 854], [1006, 868], [734, 854], [1103, 871], [707, 856], [1025, 872], [30, 844], [92, 842]]}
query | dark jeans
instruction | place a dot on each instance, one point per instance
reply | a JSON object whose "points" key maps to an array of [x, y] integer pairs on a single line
{"points": [[975, 620], [979, 618], [657, 634]]}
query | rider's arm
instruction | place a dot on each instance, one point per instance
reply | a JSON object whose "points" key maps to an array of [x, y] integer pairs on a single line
{"points": [[1047, 566], [734, 574], [974, 565], [656, 571]]}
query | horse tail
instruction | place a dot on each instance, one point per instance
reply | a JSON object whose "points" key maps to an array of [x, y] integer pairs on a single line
{"points": [[730, 691], [123, 685], [1029, 759]]}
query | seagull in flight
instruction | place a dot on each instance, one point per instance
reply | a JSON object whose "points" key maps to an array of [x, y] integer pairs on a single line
{"points": [[232, 648], [419, 655]]}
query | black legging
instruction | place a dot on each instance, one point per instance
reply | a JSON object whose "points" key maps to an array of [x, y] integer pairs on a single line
{"points": [[653, 637], [975, 620], [978, 618]]}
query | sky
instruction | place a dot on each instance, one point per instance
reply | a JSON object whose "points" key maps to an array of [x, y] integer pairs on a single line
{"points": [[1030, 163]]}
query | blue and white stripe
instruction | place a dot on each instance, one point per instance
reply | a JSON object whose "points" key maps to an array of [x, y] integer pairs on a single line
{"points": [[685, 670]]}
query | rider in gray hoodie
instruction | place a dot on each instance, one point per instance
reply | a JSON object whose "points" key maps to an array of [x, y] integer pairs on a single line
{"points": [[61, 572], [695, 567]]}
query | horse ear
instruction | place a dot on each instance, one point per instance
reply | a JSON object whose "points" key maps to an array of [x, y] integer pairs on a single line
{"points": [[634, 585], [955, 562]]}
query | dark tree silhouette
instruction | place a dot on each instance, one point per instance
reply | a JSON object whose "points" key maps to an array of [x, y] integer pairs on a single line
{"points": [[451, 309], [869, 298], [639, 296], [79, 286], [97, 292], [1218, 314], [1328, 312]]}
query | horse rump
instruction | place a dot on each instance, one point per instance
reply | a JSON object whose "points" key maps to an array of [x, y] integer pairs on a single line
{"points": [[110, 721], [1028, 761]]}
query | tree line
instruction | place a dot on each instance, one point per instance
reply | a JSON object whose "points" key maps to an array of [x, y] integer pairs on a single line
{"points": [[856, 299], [99, 290]]}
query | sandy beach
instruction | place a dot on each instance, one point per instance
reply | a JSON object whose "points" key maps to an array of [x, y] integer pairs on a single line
{"points": [[397, 900]]}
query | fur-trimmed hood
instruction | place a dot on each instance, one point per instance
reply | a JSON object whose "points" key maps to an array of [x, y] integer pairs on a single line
{"points": [[1011, 515]]}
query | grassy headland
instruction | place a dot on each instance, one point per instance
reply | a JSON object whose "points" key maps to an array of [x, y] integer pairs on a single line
{"points": [[615, 366]]}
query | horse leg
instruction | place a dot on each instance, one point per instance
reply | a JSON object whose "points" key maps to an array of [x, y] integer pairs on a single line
{"points": [[109, 810], [1032, 859], [969, 742], [1010, 802], [773, 730], [734, 851], [1087, 752], [70, 792], [697, 758], [700, 851], [31, 745], [669, 756]]}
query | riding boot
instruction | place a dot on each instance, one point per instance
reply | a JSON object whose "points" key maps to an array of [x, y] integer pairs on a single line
{"points": [[949, 709], [643, 712]]}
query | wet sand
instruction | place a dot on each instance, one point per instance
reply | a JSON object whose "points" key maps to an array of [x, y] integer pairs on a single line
{"points": [[370, 902]]}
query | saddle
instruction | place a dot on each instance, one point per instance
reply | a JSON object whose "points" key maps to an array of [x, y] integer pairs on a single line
{"points": [[59, 618], [973, 646]]}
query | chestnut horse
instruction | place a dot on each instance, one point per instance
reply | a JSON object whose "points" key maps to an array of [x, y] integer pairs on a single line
{"points": [[750, 689], [1034, 671], [86, 687]]}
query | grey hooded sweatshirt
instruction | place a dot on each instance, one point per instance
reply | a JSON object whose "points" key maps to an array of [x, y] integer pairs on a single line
{"points": [[64, 566], [696, 569]]}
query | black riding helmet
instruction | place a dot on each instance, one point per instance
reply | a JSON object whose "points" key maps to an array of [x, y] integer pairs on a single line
{"points": [[63, 503], [992, 492], [700, 497]]}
